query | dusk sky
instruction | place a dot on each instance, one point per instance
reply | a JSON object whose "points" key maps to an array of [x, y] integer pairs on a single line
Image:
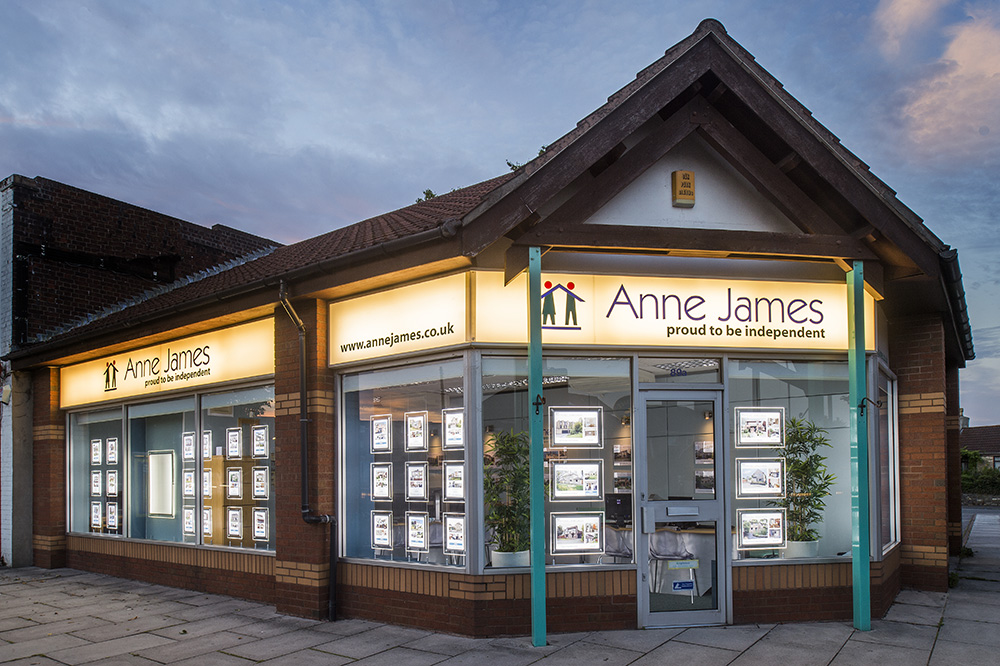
{"points": [[288, 119]]}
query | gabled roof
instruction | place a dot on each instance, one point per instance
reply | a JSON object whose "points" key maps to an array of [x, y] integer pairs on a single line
{"points": [[706, 84], [985, 439]]}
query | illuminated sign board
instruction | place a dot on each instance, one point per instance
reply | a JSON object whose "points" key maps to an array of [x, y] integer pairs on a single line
{"points": [[232, 353], [420, 316], [597, 310]]}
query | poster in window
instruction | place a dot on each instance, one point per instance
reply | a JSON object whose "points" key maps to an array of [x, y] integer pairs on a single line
{"points": [[234, 443], [234, 483], [416, 431], [112, 511], [416, 482], [111, 482], [188, 483], [189, 523], [704, 452], [161, 480], [760, 477], [577, 532], [260, 524], [206, 445], [206, 521], [95, 451], [576, 427], [704, 480], [760, 427], [573, 480], [261, 482], [95, 515], [259, 436], [453, 425], [453, 472], [417, 536], [187, 446], [112, 454], [382, 482], [382, 530], [453, 525], [760, 529], [95, 484], [381, 433], [206, 484], [234, 522]]}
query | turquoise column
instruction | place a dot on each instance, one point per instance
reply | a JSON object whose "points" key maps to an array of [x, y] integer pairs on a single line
{"points": [[536, 420], [860, 501]]}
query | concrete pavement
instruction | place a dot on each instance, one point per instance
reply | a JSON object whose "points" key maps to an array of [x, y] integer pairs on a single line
{"points": [[71, 617]]}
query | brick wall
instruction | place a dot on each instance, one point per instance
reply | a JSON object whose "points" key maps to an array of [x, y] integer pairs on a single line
{"points": [[917, 355], [48, 471], [79, 252], [490, 605], [302, 550]]}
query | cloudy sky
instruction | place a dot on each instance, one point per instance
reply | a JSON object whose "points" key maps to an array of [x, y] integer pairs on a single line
{"points": [[288, 119]]}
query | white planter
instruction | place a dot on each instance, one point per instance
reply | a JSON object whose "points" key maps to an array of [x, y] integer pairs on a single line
{"points": [[521, 558], [801, 549]]}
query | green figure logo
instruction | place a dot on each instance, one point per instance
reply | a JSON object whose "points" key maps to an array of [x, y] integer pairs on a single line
{"points": [[549, 307]]}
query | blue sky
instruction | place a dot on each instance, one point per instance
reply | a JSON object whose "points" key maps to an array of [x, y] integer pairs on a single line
{"points": [[288, 119]]}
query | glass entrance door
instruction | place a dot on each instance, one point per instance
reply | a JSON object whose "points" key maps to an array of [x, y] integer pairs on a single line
{"points": [[680, 535]]}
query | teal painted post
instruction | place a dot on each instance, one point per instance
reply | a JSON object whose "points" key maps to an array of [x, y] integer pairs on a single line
{"points": [[536, 420], [860, 502]]}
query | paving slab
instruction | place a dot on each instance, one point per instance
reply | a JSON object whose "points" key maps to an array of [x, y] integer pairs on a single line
{"points": [[131, 627], [972, 610], [210, 610], [969, 632], [688, 654], [643, 640], [276, 646], [921, 598], [738, 637], [196, 647], [950, 653], [379, 639], [33, 661], [52, 628], [495, 655], [929, 615], [214, 659], [308, 657], [858, 653], [12, 651], [346, 627], [401, 656], [900, 634], [279, 625], [16, 622], [105, 649], [802, 644], [189, 630], [447, 644], [583, 652]]}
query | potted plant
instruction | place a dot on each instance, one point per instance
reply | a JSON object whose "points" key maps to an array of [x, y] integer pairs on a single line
{"points": [[807, 485], [506, 478]]}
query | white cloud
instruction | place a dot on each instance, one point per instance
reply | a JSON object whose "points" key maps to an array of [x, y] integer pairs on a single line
{"points": [[899, 20]]}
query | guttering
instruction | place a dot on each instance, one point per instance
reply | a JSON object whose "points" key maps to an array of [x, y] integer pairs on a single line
{"points": [[447, 229], [307, 513], [951, 275]]}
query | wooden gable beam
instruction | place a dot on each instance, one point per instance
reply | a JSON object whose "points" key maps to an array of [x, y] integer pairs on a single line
{"points": [[765, 176], [758, 98], [485, 225], [701, 242]]}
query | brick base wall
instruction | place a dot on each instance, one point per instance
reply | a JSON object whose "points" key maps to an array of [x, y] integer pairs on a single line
{"points": [[243, 575]]}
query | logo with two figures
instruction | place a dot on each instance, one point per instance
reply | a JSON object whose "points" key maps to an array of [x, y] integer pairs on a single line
{"points": [[550, 313], [110, 377]]}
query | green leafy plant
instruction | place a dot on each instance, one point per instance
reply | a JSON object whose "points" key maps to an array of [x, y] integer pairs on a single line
{"points": [[506, 478], [807, 479]]}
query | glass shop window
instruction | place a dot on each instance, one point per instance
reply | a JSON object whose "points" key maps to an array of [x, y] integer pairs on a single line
{"points": [[236, 480], [588, 459], [157, 440], [405, 470], [886, 445], [786, 504], [97, 463]]}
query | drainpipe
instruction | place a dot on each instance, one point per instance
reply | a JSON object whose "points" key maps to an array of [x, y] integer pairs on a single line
{"points": [[307, 514]]}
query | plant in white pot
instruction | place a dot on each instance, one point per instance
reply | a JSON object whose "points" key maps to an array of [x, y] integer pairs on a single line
{"points": [[506, 481], [807, 485]]}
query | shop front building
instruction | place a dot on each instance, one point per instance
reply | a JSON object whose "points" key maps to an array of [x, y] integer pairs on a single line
{"points": [[340, 427]]}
